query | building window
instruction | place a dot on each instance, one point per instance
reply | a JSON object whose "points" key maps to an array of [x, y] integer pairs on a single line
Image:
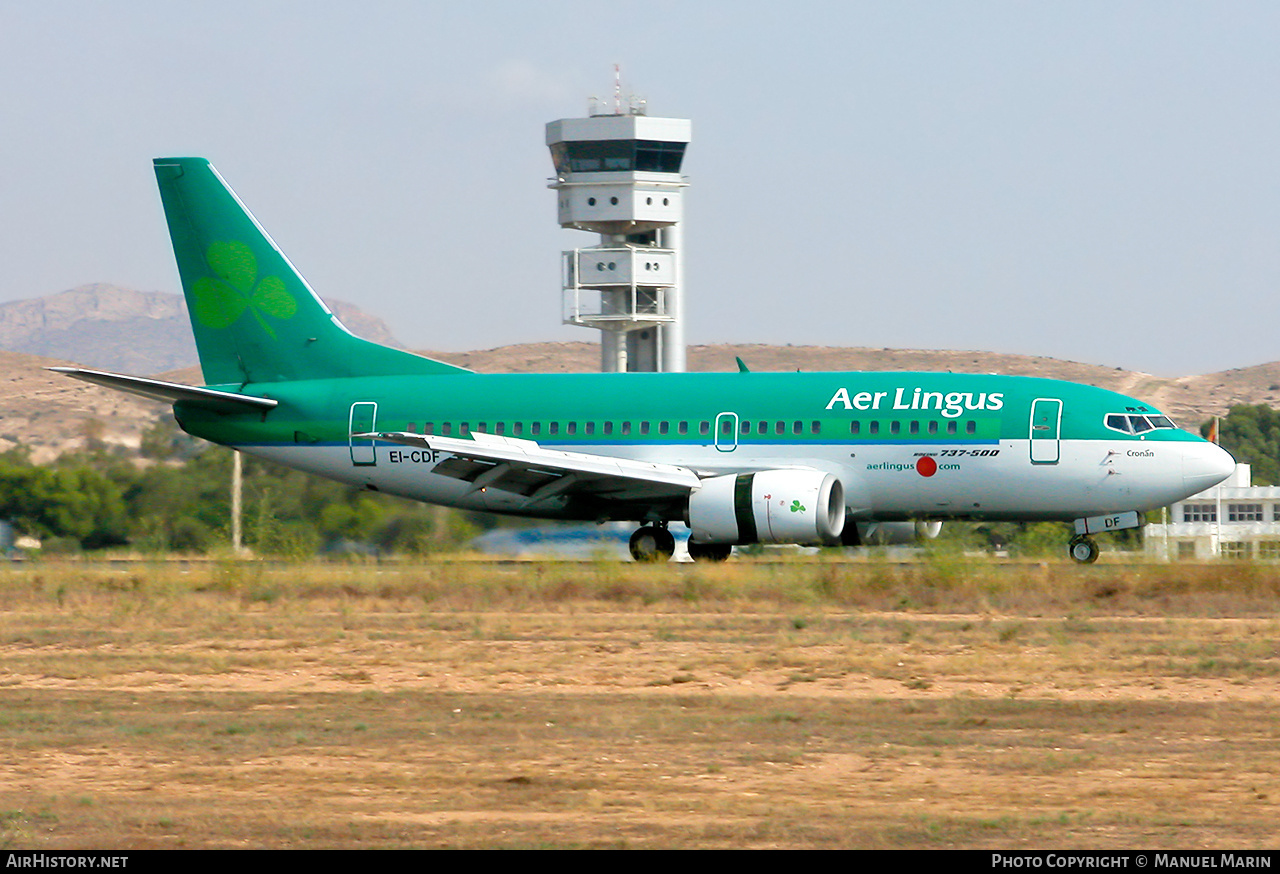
{"points": [[1236, 549], [1199, 513], [1269, 550], [1186, 550], [1244, 512]]}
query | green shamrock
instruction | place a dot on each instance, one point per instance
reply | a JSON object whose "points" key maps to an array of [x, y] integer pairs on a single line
{"points": [[222, 298], [797, 507]]}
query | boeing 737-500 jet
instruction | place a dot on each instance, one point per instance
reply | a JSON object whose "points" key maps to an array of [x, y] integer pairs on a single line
{"points": [[741, 458]]}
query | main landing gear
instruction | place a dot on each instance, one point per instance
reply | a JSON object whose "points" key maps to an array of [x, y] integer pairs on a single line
{"points": [[709, 551], [655, 543], [652, 543]]}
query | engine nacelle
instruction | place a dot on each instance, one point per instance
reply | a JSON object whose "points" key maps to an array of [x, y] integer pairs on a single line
{"points": [[771, 506], [894, 533]]}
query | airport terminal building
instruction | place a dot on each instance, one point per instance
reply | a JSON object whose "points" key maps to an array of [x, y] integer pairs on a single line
{"points": [[1232, 520]]}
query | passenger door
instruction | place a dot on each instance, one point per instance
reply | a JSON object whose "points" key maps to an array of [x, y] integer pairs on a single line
{"points": [[1046, 430], [364, 415]]}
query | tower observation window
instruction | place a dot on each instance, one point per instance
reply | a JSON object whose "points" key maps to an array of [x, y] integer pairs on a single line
{"points": [[606, 156]]}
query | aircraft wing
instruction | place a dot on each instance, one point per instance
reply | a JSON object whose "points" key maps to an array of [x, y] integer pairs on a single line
{"points": [[525, 468], [171, 392]]}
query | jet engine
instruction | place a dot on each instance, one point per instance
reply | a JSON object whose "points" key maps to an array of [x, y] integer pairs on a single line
{"points": [[890, 533], [770, 506]]}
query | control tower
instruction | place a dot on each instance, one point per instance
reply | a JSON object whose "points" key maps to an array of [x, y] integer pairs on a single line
{"points": [[618, 175]]}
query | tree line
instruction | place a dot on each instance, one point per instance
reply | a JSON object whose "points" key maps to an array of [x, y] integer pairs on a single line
{"points": [[174, 495], [1252, 434]]}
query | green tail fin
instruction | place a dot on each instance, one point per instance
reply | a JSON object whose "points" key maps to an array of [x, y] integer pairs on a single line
{"points": [[254, 317]]}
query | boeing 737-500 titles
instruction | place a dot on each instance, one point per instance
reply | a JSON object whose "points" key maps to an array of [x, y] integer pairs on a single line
{"points": [[741, 458]]}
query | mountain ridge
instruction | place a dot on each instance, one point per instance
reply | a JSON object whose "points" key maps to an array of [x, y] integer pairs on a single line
{"points": [[110, 327]]}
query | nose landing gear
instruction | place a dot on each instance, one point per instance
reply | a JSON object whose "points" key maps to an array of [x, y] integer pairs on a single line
{"points": [[1083, 549]]}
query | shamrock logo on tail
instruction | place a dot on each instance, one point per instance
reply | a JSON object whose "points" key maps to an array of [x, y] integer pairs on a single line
{"points": [[797, 507], [223, 298]]}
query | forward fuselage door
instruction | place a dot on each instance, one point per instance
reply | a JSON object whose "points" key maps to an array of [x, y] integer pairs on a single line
{"points": [[726, 433], [1046, 430], [364, 415]]}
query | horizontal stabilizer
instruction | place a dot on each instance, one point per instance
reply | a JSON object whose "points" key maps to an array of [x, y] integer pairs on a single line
{"points": [[171, 392]]}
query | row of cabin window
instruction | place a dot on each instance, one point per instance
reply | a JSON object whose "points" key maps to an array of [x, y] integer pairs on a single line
{"points": [[534, 429], [913, 427], [704, 428]]}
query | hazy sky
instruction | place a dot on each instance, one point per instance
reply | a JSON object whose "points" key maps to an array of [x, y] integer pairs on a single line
{"points": [[1095, 181]]}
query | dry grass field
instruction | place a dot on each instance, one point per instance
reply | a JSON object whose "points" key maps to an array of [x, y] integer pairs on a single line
{"points": [[950, 703]]}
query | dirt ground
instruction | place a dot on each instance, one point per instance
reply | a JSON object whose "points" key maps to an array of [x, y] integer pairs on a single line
{"points": [[148, 714]]}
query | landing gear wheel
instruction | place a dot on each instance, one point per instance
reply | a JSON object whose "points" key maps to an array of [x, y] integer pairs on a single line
{"points": [[652, 543], [709, 551], [1083, 549]]}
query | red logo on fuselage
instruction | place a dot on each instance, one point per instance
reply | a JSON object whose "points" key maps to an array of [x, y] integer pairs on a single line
{"points": [[926, 466]]}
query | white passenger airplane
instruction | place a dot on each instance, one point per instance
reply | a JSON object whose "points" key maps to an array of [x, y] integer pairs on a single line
{"points": [[815, 458]]}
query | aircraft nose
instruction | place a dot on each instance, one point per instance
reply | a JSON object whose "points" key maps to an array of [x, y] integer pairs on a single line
{"points": [[1204, 465]]}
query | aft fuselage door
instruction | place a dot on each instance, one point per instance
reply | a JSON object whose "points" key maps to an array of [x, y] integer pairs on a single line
{"points": [[364, 415], [1046, 430]]}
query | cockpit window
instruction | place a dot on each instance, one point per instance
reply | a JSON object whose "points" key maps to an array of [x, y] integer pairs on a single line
{"points": [[1118, 423], [1131, 424]]}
